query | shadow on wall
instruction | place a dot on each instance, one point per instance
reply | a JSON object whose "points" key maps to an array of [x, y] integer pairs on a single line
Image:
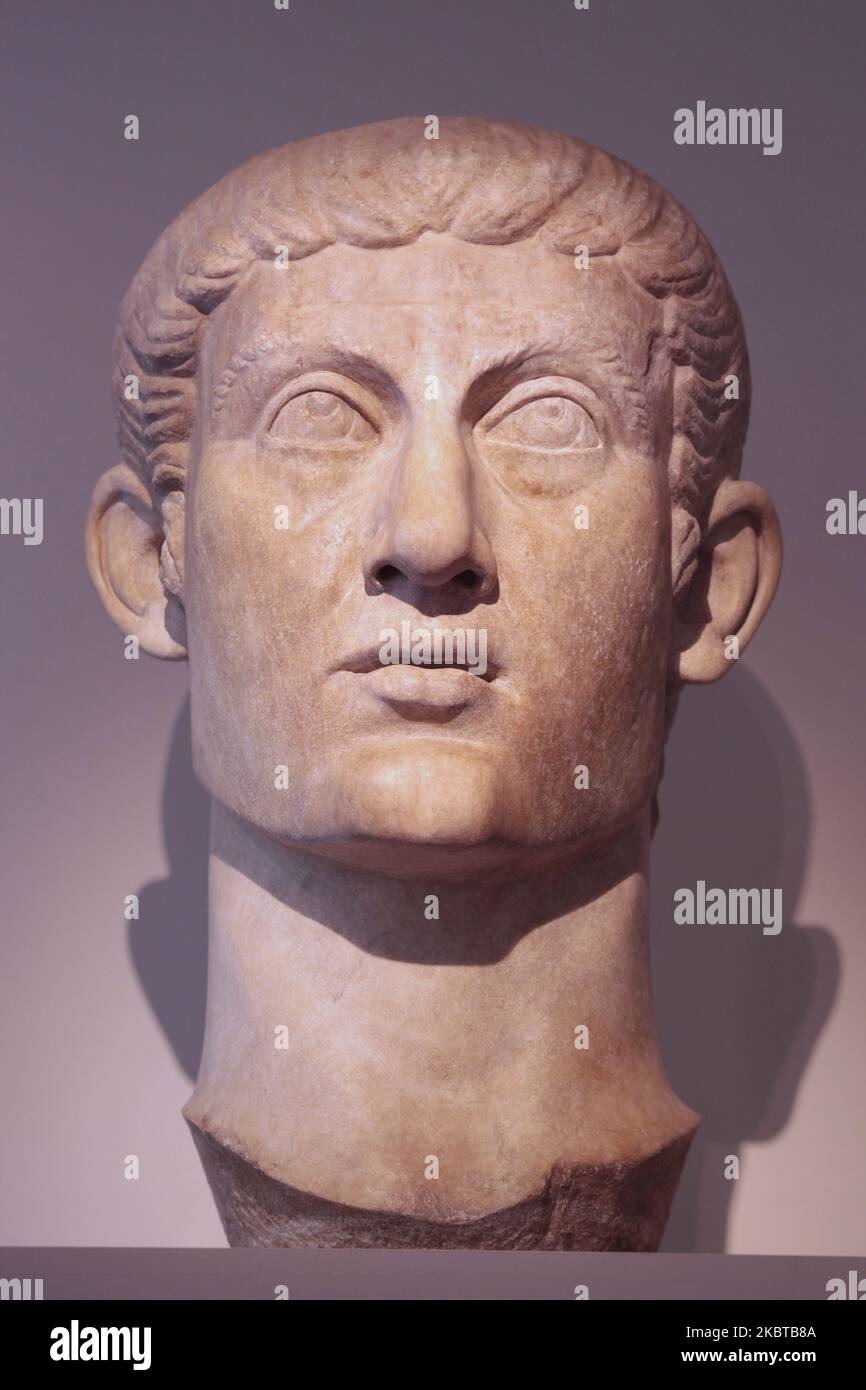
{"points": [[738, 1012], [171, 956]]}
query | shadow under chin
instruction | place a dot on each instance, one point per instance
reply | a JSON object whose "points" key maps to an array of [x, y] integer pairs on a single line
{"points": [[397, 916]]}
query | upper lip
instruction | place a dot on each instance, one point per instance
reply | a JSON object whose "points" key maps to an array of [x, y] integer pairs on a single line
{"points": [[366, 659]]}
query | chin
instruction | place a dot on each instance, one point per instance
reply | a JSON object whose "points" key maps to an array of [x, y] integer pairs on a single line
{"points": [[408, 808], [419, 791], [430, 810]]}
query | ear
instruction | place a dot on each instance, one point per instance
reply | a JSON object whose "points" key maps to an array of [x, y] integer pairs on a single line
{"points": [[735, 574], [135, 558]]}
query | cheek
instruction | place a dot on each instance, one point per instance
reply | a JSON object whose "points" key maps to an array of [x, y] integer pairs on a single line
{"points": [[591, 578], [257, 569], [256, 618], [622, 579], [246, 589], [593, 620]]}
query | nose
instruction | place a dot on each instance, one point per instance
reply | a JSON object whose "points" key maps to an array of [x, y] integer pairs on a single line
{"points": [[430, 538]]}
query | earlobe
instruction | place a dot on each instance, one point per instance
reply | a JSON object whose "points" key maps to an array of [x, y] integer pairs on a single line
{"points": [[135, 558], [736, 575]]}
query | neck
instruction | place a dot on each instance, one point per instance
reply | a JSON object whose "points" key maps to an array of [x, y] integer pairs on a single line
{"points": [[364, 1052]]}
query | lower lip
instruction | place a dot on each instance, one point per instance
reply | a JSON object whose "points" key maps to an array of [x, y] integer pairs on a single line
{"points": [[441, 687]]}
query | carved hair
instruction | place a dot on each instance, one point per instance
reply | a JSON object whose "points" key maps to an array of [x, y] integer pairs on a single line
{"points": [[383, 185]]}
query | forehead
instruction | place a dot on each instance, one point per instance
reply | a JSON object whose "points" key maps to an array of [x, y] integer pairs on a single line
{"points": [[450, 292]]}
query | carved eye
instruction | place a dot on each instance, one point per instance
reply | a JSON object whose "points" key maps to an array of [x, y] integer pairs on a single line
{"points": [[318, 418], [550, 422]]}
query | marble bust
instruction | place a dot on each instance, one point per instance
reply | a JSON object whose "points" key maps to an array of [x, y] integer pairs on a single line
{"points": [[429, 463]]}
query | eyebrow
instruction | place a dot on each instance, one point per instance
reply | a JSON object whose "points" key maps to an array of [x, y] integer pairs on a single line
{"points": [[503, 369], [624, 378], [480, 393], [326, 357]]}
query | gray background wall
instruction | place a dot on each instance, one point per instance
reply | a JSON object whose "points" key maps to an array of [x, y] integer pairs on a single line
{"points": [[100, 1020]]}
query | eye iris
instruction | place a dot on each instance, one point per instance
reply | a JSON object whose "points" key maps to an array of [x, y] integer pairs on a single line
{"points": [[319, 417], [553, 422]]}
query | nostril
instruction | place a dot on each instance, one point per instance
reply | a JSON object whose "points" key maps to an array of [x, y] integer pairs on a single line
{"points": [[466, 579]]}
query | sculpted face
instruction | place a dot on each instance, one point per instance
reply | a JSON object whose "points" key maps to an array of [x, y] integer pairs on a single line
{"points": [[404, 436]]}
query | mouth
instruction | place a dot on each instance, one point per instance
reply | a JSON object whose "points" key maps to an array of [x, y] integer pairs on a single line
{"points": [[368, 661], [428, 690], [433, 695]]}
